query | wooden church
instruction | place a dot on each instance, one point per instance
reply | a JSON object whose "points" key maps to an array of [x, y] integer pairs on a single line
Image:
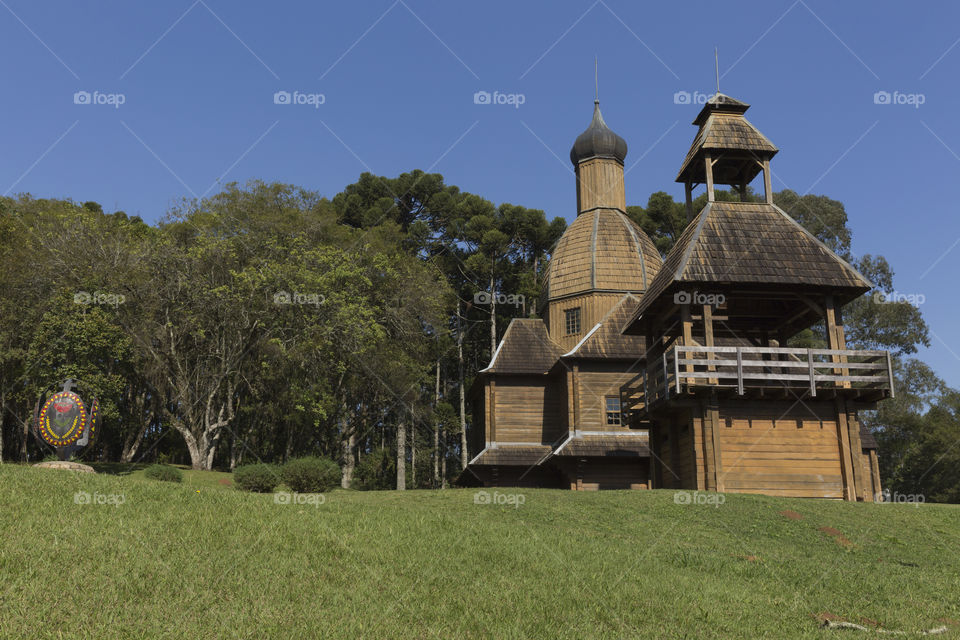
{"points": [[647, 372]]}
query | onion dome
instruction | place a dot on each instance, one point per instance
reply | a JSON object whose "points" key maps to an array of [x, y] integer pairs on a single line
{"points": [[598, 141]]}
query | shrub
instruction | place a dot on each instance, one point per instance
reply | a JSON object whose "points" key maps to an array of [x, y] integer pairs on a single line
{"points": [[164, 472], [261, 478], [311, 475]]}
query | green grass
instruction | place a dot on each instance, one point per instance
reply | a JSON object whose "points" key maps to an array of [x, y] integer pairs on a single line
{"points": [[201, 560]]}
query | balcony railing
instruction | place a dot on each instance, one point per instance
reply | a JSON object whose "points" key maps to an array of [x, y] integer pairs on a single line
{"points": [[747, 369]]}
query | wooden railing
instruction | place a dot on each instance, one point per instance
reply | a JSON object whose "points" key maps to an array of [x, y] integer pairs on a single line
{"points": [[682, 369]]}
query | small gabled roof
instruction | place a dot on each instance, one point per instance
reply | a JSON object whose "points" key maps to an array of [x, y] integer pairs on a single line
{"points": [[527, 454], [526, 347], [607, 445], [724, 128], [606, 341], [754, 243]]}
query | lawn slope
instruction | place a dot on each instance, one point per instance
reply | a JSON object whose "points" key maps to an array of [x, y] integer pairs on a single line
{"points": [[159, 560]]}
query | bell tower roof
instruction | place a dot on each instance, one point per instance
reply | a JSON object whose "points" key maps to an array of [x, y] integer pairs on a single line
{"points": [[737, 148]]}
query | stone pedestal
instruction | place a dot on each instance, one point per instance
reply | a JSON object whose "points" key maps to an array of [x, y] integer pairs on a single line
{"points": [[62, 464]]}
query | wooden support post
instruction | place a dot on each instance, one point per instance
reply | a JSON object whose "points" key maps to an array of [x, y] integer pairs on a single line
{"points": [[695, 422], [875, 474], [687, 321], [709, 451], [767, 188], [846, 459], [493, 410], [688, 190], [576, 397], [835, 338], [675, 482], [708, 338], [708, 169], [860, 474], [739, 371], [743, 192], [713, 410]]}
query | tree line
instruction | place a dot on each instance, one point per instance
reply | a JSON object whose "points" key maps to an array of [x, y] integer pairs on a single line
{"points": [[268, 322]]}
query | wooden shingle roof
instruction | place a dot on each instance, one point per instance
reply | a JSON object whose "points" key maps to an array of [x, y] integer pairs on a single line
{"points": [[723, 129], [603, 250], [606, 340], [613, 445], [526, 347], [512, 455], [755, 243]]}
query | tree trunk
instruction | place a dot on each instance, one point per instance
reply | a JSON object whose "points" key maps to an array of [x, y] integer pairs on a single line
{"points": [[493, 317], [3, 411], [235, 450], [25, 433], [436, 432], [443, 460], [463, 392], [401, 456], [349, 461]]}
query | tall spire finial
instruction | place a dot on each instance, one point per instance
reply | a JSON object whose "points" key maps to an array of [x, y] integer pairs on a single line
{"points": [[596, 78], [716, 60]]}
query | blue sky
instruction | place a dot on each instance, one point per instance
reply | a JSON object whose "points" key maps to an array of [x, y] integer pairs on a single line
{"points": [[397, 81]]}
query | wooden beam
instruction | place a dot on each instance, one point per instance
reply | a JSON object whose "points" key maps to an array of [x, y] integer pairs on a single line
{"points": [[846, 460], [708, 169], [713, 408], [687, 323], [708, 336], [576, 396], [767, 188], [493, 410], [875, 475], [856, 450], [709, 451], [688, 190]]}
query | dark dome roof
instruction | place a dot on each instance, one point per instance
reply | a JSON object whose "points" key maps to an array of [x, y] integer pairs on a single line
{"points": [[598, 141]]}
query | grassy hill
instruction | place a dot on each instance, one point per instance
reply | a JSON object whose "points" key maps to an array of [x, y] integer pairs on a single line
{"points": [[203, 560]]}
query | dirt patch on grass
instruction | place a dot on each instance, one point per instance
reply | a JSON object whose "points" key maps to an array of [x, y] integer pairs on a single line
{"points": [[837, 536], [793, 515], [225, 482], [747, 558]]}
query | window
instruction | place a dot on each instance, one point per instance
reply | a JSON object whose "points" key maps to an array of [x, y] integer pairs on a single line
{"points": [[613, 411], [572, 320]]}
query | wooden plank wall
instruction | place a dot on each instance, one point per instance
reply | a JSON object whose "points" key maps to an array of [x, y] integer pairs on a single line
{"points": [[593, 307], [600, 184], [596, 383], [768, 448], [522, 411]]}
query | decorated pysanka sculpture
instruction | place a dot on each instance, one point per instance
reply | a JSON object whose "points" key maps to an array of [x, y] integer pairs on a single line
{"points": [[65, 421]]}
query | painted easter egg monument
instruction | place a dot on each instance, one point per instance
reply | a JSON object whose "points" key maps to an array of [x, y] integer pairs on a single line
{"points": [[65, 421]]}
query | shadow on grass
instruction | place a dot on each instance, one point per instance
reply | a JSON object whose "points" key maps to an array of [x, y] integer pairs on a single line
{"points": [[118, 468]]}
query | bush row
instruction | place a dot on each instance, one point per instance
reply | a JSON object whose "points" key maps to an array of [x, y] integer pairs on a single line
{"points": [[303, 475]]}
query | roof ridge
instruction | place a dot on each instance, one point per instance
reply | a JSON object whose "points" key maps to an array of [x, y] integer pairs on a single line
{"points": [[636, 243], [688, 250]]}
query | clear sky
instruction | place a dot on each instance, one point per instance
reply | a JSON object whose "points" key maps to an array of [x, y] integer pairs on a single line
{"points": [[182, 93]]}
